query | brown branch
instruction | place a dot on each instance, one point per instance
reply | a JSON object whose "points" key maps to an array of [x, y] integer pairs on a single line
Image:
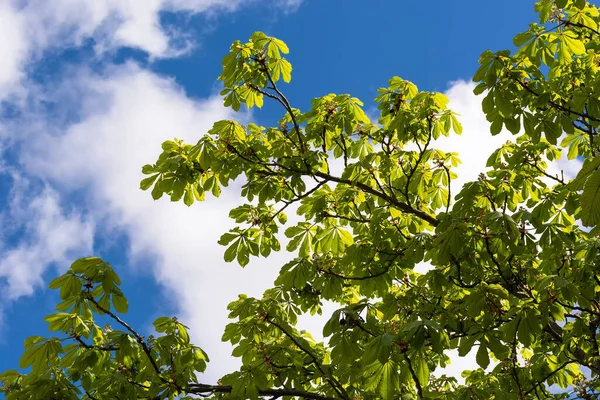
{"points": [[89, 395], [496, 263], [460, 281], [366, 188], [449, 198], [357, 278], [577, 308], [567, 22], [421, 154]]}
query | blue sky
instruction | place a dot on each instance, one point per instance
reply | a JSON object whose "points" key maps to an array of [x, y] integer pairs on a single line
{"points": [[89, 90]]}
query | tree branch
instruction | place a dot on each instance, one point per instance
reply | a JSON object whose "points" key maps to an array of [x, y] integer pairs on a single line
{"points": [[200, 388], [286, 104], [392, 200], [350, 219]]}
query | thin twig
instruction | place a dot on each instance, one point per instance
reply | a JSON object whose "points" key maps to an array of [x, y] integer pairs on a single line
{"points": [[334, 383]]}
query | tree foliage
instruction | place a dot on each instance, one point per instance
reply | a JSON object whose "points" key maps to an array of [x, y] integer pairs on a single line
{"points": [[513, 256]]}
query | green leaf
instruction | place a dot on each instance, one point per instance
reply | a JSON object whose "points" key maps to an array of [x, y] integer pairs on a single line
{"points": [[503, 104], [231, 252], [41, 354], [360, 115], [229, 129], [575, 45], [421, 368], [522, 38], [456, 125], [379, 348], [162, 323], [590, 200], [482, 357], [544, 8], [382, 379], [82, 265], [280, 68], [466, 344], [335, 239], [280, 45], [120, 303], [496, 126], [389, 381], [524, 333], [188, 197], [149, 181], [500, 350]]}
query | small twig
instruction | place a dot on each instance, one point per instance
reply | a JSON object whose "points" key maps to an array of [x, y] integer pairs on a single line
{"points": [[337, 386], [449, 187], [78, 339], [298, 198], [555, 178], [419, 159], [286, 104], [137, 336], [548, 376]]}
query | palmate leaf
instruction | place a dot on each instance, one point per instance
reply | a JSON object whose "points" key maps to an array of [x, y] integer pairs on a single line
{"points": [[334, 239], [379, 348], [229, 129], [383, 379], [40, 353]]}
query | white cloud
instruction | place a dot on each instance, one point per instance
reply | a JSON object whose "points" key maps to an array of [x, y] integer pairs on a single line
{"points": [[48, 235], [30, 28], [125, 114], [13, 47], [289, 5]]}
